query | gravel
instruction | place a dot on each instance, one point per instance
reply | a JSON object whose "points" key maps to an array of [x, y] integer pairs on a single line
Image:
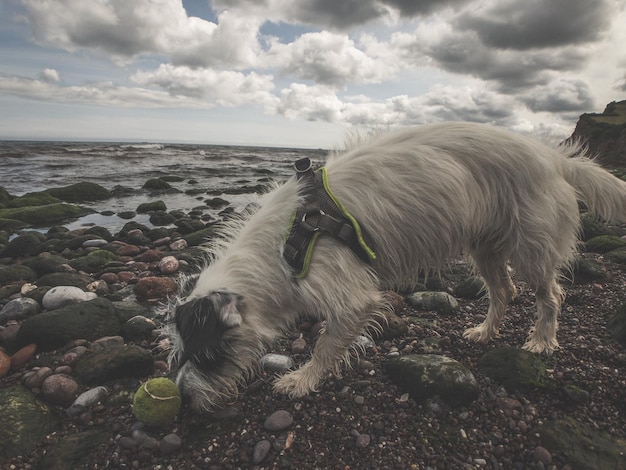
{"points": [[363, 421]]}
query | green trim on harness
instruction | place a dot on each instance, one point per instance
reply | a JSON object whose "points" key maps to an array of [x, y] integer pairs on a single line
{"points": [[320, 213], [355, 223]]}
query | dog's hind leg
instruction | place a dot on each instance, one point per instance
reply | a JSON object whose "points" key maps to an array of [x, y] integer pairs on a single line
{"points": [[542, 337], [500, 290]]}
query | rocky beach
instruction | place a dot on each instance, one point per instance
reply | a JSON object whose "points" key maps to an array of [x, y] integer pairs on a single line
{"points": [[83, 290]]}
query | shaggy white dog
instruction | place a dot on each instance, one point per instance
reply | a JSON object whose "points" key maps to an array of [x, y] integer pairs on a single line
{"points": [[423, 195]]}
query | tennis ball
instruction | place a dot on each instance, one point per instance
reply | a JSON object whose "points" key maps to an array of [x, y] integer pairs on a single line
{"points": [[157, 402]]}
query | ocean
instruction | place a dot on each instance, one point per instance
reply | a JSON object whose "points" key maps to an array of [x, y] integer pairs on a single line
{"points": [[204, 172]]}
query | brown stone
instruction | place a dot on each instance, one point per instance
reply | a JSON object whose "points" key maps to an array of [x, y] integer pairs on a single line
{"points": [[23, 356], [155, 288]]}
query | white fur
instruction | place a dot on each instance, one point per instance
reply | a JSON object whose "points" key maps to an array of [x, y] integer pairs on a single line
{"points": [[424, 195]]}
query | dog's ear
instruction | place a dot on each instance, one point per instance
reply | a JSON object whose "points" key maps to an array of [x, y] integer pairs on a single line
{"points": [[202, 322], [229, 306]]}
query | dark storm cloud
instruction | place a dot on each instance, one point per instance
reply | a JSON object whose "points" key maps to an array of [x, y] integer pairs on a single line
{"points": [[412, 8], [538, 23], [560, 96], [464, 53]]}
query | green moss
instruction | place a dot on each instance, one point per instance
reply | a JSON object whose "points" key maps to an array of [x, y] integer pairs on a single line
{"points": [[94, 261], [151, 207], [157, 402], [605, 243], [33, 199], [80, 192], [39, 216]]}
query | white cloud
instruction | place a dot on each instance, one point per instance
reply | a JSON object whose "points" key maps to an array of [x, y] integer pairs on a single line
{"points": [[329, 59], [50, 75], [225, 88]]}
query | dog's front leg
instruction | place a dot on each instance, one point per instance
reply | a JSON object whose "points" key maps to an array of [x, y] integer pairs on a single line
{"points": [[332, 347]]}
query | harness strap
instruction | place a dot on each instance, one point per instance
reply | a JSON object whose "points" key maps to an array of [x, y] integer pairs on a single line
{"points": [[321, 213]]}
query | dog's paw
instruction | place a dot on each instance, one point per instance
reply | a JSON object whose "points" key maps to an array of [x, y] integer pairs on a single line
{"points": [[539, 347], [479, 334], [295, 384]]}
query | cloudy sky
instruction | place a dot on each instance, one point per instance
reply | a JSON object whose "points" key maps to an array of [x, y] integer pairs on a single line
{"points": [[302, 72]]}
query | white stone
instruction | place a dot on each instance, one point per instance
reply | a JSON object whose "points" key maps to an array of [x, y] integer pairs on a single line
{"points": [[64, 295]]}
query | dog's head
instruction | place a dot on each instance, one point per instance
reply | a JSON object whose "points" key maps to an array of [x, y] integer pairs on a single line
{"points": [[205, 336]]}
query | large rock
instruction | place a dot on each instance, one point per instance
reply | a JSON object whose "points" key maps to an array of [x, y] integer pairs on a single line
{"points": [[439, 302], [588, 270], [516, 369], [87, 320], [27, 244], [18, 309], [155, 288], [24, 421], [15, 273], [93, 262], [64, 279], [584, 447], [41, 216], [61, 296], [80, 192], [424, 376], [605, 243], [114, 363]]}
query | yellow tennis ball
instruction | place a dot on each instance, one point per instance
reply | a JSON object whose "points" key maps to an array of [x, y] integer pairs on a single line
{"points": [[157, 402]]}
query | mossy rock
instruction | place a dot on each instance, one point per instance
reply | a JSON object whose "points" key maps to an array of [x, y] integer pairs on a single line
{"points": [[84, 320], [157, 184], [45, 264], [24, 421], [12, 225], [64, 279], [426, 375], [40, 216], [27, 244], [616, 256], [74, 451], [16, 272], [41, 198], [111, 364], [440, 302], [592, 227], [588, 270], [5, 196], [199, 237], [516, 369], [80, 192], [470, 288], [94, 261], [584, 447], [605, 243], [100, 232], [154, 206]]}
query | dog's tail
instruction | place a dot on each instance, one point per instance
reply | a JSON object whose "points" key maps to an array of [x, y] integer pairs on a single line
{"points": [[602, 193]]}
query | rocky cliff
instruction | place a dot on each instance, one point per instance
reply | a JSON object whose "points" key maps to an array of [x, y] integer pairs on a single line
{"points": [[605, 134]]}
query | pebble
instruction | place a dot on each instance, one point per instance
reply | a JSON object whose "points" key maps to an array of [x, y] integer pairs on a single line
{"points": [[155, 288], [260, 451], [18, 309], [298, 346], [64, 295], [365, 342], [278, 421], [128, 250], [5, 364], [541, 454], [22, 357], [178, 245], [86, 400], [107, 342], [276, 362], [35, 378], [98, 242], [168, 265], [363, 440], [59, 389], [170, 444]]}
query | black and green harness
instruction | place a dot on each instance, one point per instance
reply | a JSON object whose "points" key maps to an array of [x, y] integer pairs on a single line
{"points": [[321, 213]]}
